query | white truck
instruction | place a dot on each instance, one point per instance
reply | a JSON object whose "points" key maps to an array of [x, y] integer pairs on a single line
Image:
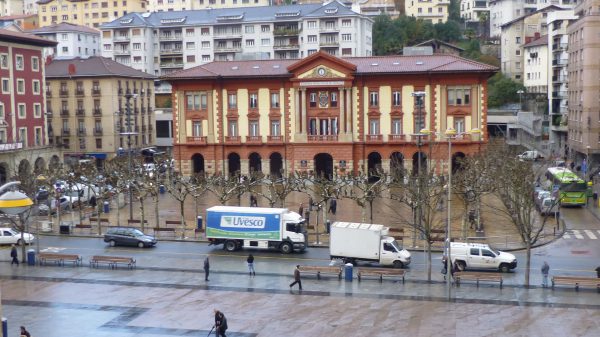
{"points": [[352, 242], [481, 256], [255, 227], [530, 155]]}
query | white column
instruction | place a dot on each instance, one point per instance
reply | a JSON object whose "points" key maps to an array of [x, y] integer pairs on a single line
{"points": [[350, 110], [304, 121], [342, 123], [297, 112]]}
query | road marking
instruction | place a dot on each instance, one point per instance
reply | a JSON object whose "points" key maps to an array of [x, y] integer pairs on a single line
{"points": [[590, 234], [567, 235], [577, 234]]}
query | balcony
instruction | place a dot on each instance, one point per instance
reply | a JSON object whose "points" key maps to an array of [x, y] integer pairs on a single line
{"points": [[329, 43], [122, 52], [48, 93], [171, 51], [65, 132], [374, 138], [559, 62], [560, 46], [228, 49], [559, 79], [232, 140], [120, 91], [64, 93], [64, 112], [331, 29], [253, 140], [171, 37], [172, 64], [286, 46], [97, 131], [5, 147], [81, 132], [97, 111], [121, 38], [396, 138], [143, 128], [143, 110], [275, 139], [286, 31], [322, 138], [136, 110], [96, 92], [80, 112], [228, 35], [150, 128], [197, 140], [559, 94]]}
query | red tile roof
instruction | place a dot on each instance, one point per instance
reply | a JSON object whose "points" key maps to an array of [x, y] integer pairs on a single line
{"points": [[94, 66], [438, 63], [64, 27], [24, 38], [543, 40]]}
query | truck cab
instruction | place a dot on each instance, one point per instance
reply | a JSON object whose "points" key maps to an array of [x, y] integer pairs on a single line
{"points": [[295, 230], [392, 254]]}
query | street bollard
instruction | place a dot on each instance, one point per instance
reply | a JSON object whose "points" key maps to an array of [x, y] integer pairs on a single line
{"points": [[348, 272], [106, 207]]}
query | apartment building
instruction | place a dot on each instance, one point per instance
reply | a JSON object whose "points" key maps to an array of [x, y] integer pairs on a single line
{"points": [[434, 11], [11, 7], [327, 115], [505, 11], [163, 42], [91, 13], [517, 33], [535, 65], [173, 5], [558, 85], [73, 40], [23, 21], [23, 137], [584, 87], [93, 102], [474, 10]]}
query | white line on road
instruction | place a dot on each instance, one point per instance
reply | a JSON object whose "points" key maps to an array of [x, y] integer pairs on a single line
{"points": [[577, 234], [567, 235], [590, 234]]}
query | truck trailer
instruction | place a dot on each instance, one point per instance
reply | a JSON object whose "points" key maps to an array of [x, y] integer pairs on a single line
{"points": [[256, 227], [352, 242]]}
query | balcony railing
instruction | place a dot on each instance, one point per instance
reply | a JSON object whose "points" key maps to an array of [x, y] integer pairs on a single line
{"points": [[559, 62], [79, 92], [173, 64], [197, 140], [64, 112], [286, 46], [329, 43], [322, 138], [329, 29], [96, 92], [48, 93], [175, 37], [232, 139], [80, 112], [120, 91], [374, 138], [396, 138], [81, 132], [64, 93], [286, 31], [65, 132], [97, 111], [228, 49], [97, 131], [275, 139], [171, 51], [11, 146], [121, 38], [254, 139]]}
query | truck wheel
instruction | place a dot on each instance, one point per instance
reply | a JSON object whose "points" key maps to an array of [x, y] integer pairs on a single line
{"points": [[504, 268], [286, 248], [461, 265], [398, 264], [230, 246]]}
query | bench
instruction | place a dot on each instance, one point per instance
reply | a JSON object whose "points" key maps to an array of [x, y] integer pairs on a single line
{"points": [[473, 276], [80, 225], [112, 261], [136, 222], [576, 281], [59, 258], [396, 233], [95, 220], [322, 269], [381, 272]]}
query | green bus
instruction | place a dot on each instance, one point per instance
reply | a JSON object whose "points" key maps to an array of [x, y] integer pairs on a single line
{"points": [[572, 190]]}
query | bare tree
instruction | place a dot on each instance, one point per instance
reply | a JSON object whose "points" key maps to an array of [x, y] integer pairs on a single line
{"points": [[364, 189], [180, 187], [225, 187], [424, 190], [275, 189], [514, 186], [322, 189]]}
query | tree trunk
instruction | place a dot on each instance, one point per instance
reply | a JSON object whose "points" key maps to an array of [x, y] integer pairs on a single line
{"points": [[428, 258], [527, 263], [142, 214], [156, 210], [99, 211], [23, 244], [118, 211], [182, 210]]}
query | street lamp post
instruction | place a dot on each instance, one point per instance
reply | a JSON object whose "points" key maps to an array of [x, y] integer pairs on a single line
{"points": [[419, 95], [450, 134], [129, 133]]}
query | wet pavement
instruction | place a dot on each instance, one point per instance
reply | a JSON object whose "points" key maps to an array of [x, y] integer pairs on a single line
{"points": [[169, 297]]}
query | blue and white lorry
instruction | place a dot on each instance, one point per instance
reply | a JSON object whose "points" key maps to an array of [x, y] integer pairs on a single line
{"points": [[256, 227]]}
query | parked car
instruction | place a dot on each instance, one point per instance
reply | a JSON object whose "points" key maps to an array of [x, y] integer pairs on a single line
{"points": [[126, 236], [51, 205], [530, 155], [481, 256], [9, 236], [549, 206], [42, 194], [539, 199]]}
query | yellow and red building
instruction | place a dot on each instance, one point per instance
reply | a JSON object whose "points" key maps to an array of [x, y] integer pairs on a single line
{"points": [[326, 114]]}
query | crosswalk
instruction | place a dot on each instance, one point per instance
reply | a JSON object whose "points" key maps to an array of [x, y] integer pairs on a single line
{"points": [[582, 234]]}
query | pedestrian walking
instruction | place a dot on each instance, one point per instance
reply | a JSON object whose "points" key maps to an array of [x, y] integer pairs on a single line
{"points": [[253, 201], [297, 279], [545, 270], [301, 209], [14, 255], [332, 206], [307, 217], [24, 332], [598, 271], [444, 266], [310, 203], [250, 261], [206, 268], [220, 323]]}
